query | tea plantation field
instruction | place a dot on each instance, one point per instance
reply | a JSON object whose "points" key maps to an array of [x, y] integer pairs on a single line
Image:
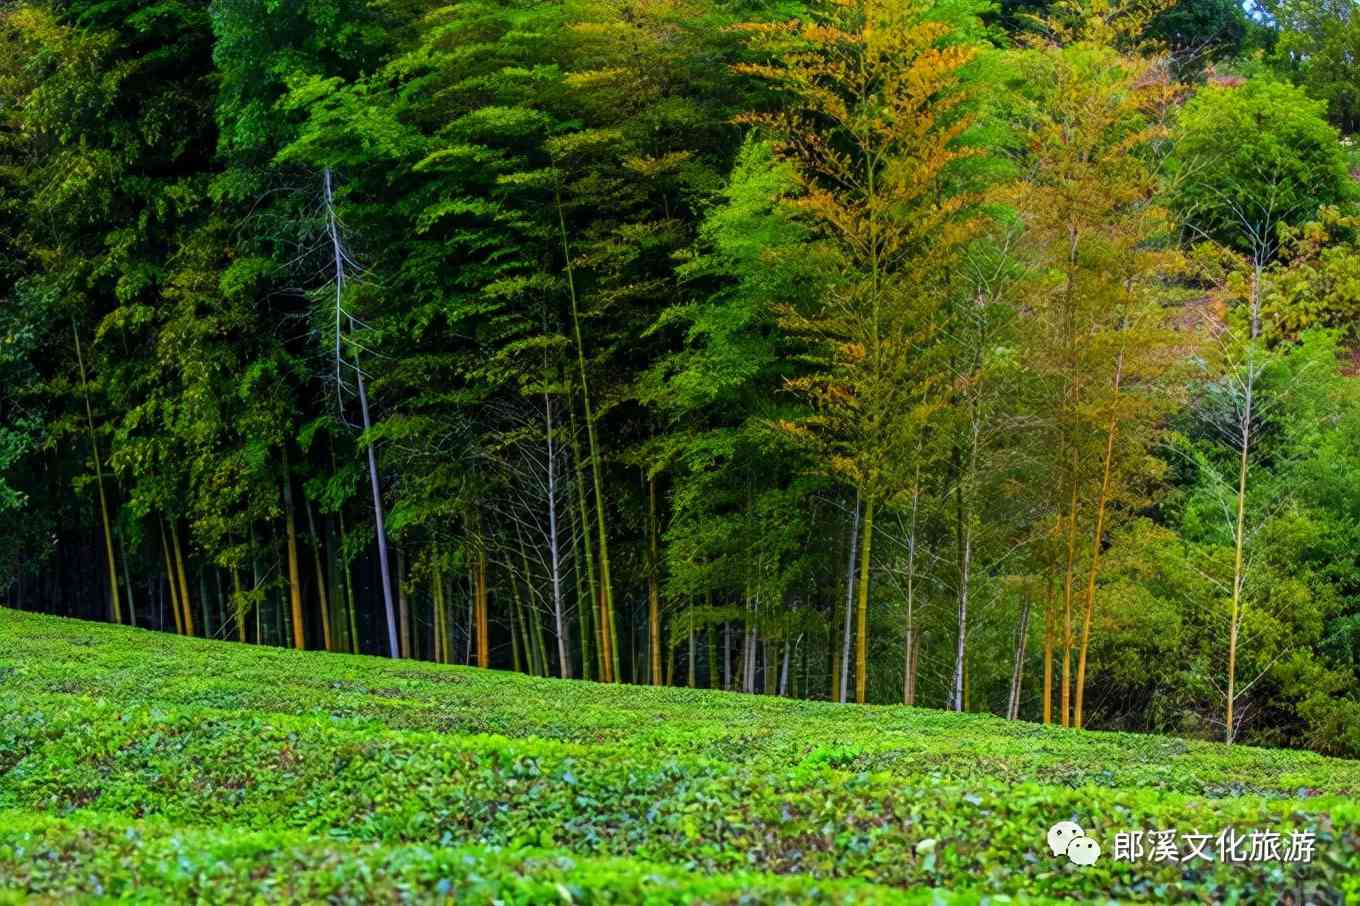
{"points": [[143, 766]]}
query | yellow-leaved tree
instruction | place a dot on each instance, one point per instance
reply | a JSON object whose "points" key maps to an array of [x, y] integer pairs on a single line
{"points": [[871, 112], [1097, 332]]}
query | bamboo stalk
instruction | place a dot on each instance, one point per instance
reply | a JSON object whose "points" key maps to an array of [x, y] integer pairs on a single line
{"points": [[116, 605], [170, 580], [183, 581], [326, 638], [862, 610], [294, 570]]}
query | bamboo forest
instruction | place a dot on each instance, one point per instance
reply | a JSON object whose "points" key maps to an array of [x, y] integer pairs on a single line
{"points": [[963, 381]]}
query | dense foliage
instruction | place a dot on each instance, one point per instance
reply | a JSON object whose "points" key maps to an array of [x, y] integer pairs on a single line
{"points": [[982, 358], [138, 764]]}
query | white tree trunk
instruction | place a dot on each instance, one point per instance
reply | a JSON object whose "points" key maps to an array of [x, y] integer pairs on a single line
{"points": [[849, 607], [1018, 668], [965, 566], [341, 316], [554, 547], [1239, 542]]}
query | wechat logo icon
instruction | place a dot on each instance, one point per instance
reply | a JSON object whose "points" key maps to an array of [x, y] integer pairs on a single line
{"points": [[1067, 838]]}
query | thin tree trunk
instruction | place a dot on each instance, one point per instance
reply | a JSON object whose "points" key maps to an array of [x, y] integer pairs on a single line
{"points": [[322, 592], [451, 599], [483, 616], [348, 573], [727, 656], [917, 642], [740, 667], [378, 526], [184, 600], [340, 259], [965, 578], [255, 588], [839, 607], [654, 588], [282, 624], [1018, 670], [767, 662], [862, 617], [849, 607], [536, 621], [711, 642], [1257, 265], [906, 664], [752, 659], [127, 582], [671, 659], [203, 603], [116, 605], [472, 614], [170, 580], [798, 683], [908, 687], [583, 611], [338, 618], [748, 647], [294, 570], [534, 627], [236, 605], [516, 631], [1048, 653], [469, 637], [603, 667], [403, 607], [480, 601], [340, 573], [416, 650], [616, 663], [1067, 608], [1239, 543], [693, 655], [967, 704], [554, 553], [445, 634], [534, 659], [531, 648], [441, 630], [603, 642], [1073, 399], [222, 599], [964, 497], [1094, 570]]}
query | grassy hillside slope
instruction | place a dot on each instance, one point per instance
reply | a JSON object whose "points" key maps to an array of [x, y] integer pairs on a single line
{"points": [[141, 762]]}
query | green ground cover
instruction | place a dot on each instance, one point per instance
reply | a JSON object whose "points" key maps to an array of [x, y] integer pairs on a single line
{"points": [[142, 764]]}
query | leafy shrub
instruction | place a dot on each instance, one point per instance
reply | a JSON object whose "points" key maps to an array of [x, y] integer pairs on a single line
{"points": [[359, 758]]}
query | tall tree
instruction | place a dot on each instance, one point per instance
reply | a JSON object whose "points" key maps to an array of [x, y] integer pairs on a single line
{"points": [[1318, 47], [1283, 162], [871, 124], [1098, 339]]}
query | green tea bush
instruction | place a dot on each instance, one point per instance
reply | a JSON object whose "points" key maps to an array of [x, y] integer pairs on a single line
{"points": [[100, 857], [361, 758]]}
